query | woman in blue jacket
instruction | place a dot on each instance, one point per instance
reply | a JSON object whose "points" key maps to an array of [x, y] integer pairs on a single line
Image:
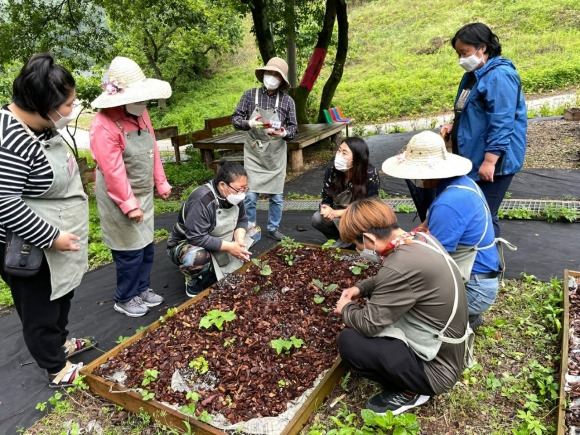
{"points": [[490, 114]]}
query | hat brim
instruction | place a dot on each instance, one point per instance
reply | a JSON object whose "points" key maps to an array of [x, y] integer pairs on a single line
{"points": [[452, 166], [260, 75], [148, 89]]}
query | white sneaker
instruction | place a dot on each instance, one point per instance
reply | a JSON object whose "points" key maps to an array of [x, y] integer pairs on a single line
{"points": [[150, 298], [133, 308]]}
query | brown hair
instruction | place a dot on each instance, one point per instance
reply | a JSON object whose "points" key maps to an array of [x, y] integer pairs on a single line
{"points": [[369, 215]]}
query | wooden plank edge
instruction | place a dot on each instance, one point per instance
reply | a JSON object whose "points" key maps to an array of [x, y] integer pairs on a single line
{"points": [[562, 399], [132, 401], [316, 398]]}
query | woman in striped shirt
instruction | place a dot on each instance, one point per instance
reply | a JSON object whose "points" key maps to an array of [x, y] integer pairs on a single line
{"points": [[42, 200]]}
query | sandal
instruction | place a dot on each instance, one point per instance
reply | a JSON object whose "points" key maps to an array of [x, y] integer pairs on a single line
{"points": [[66, 376], [74, 346]]}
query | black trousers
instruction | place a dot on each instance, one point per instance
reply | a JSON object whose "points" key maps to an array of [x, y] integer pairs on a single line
{"points": [[385, 360], [328, 228], [44, 322]]}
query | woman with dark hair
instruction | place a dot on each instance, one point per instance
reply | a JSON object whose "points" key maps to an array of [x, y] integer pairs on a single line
{"points": [[42, 201], [348, 178], [209, 238], [490, 121]]}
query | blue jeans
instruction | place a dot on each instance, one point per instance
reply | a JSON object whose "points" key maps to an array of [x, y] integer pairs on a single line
{"points": [[274, 211], [481, 294], [133, 272], [494, 194]]}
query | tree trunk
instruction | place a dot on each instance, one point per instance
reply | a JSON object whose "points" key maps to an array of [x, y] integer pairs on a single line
{"points": [[290, 19], [262, 29], [300, 94], [339, 61]]}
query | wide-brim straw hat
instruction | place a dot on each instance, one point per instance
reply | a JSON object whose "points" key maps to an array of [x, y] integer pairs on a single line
{"points": [[426, 158], [277, 65], [125, 83]]}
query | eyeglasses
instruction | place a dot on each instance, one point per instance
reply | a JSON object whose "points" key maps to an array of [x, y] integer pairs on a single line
{"points": [[242, 189]]}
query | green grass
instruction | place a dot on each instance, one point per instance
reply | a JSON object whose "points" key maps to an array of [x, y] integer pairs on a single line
{"points": [[400, 62]]}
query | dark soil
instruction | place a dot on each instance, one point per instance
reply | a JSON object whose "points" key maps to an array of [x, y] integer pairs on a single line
{"points": [[244, 378], [573, 383]]}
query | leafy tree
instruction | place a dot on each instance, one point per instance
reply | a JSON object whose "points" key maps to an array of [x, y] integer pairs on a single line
{"points": [[174, 37], [73, 30]]}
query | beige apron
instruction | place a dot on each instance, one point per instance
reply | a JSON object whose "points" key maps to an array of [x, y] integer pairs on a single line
{"points": [[225, 225], [342, 201], [265, 157], [64, 206], [119, 232]]}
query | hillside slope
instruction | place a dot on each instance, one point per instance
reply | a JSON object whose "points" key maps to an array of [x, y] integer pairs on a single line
{"points": [[400, 62]]}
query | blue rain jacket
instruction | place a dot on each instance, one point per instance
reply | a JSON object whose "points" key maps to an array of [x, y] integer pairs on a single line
{"points": [[494, 118]]}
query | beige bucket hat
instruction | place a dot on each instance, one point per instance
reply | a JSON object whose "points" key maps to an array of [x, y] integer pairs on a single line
{"points": [[125, 84], [426, 158], [277, 65]]}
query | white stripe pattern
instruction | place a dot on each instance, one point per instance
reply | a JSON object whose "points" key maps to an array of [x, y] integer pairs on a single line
{"points": [[24, 171]]}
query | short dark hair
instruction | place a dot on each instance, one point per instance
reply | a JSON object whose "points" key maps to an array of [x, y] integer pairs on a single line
{"points": [[42, 85], [476, 34], [228, 172]]}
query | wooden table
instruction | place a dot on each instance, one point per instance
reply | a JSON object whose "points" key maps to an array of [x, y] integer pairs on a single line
{"points": [[308, 134]]}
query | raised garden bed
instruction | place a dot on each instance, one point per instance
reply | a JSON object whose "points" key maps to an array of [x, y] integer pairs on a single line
{"points": [[276, 347], [569, 401]]}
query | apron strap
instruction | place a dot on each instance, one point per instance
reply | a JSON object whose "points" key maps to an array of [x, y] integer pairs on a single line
{"points": [[478, 192], [450, 264], [277, 99]]}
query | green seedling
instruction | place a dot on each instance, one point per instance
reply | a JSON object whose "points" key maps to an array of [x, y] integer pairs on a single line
{"points": [[358, 268], [328, 244], [282, 383], [286, 345], [326, 288], [229, 342], [318, 299], [200, 365], [263, 266], [121, 339], [149, 376], [217, 318], [146, 395], [205, 417], [188, 409]]}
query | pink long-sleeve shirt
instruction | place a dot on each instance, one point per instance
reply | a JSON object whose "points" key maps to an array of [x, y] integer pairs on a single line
{"points": [[107, 144]]}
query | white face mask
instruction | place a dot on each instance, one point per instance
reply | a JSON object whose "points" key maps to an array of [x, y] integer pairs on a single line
{"points": [[369, 254], [236, 198], [341, 164], [64, 120], [136, 109], [271, 82], [470, 63]]}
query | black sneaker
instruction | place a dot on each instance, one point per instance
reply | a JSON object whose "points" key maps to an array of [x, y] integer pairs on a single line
{"points": [[193, 290], [397, 403], [475, 321], [276, 235]]}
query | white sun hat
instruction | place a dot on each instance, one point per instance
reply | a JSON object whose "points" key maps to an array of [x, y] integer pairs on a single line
{"points": [[125, 83], [426, 158]]}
